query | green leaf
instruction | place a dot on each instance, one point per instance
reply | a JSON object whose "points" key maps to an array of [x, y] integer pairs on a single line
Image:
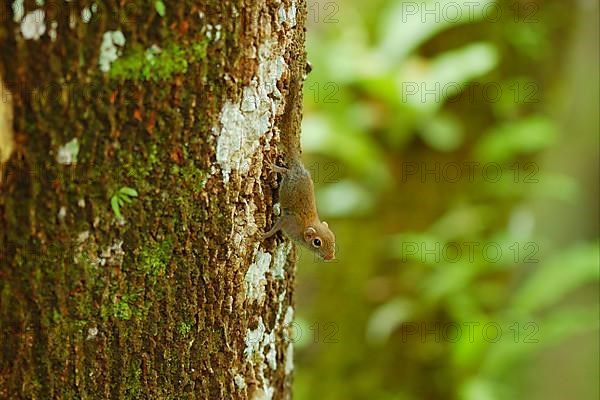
{"points": [[536, 336], [566, 271], [344, 198], [124, 198], [426, 86], [114, 203], [407, 25], [443, 132], [387, 318], [160, 8], [526, 136], [128, 191], [478, 389]]}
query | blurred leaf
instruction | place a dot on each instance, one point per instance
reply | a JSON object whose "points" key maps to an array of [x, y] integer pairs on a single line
{"points": [[448, 279], [407, 25], [387, 318], [331, 45], [513, 95], [529, 39], [478, 389], [556, 186], [443, 132], [160, 8], [470, 349], [410, 246], [526, 136], [356, 150], [464, 221], [426, 86], [503, 181], [521, 223], [566, 271], [535, 336], [344, 199]]}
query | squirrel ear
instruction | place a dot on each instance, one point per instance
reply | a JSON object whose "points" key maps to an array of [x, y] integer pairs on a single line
{"points": [[309, 233], [325, 223]]}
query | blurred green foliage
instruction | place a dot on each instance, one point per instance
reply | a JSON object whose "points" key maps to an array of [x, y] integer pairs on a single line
{"points": [[464, 199]]}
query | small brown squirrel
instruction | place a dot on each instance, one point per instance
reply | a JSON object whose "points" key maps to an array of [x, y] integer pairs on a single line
{"points": [[299, 219]]}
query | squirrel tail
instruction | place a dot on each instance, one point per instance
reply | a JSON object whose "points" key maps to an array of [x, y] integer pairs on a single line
{"points": [[291, 120]]}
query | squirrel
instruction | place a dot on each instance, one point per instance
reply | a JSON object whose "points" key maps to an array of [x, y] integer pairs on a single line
{"points": [[299, 219]]}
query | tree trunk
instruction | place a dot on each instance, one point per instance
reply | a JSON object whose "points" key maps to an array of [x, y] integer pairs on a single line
{"points": [[132, 204]]}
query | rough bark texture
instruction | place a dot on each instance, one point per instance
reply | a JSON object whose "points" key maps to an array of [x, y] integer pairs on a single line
{"points": [[176, 299]]}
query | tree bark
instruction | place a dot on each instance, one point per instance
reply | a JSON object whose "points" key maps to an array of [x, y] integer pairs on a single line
{"points": [[132, 204]]}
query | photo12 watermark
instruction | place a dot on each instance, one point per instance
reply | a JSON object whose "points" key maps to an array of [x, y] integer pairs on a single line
{"points": [[454, 12], [327, 92], [469, 171], [326, 172], [326, 12], [452, 332], [474, 92], [469, 252]]}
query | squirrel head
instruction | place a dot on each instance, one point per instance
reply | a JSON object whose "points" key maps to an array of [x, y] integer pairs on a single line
{"points": [[319, 238]]}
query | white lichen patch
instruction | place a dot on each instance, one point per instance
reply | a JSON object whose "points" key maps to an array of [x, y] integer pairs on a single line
{"points": [[110, 50], [289, 358], [83, 236], [279, 259], [269, 344], [287, 323], [260, 350], [277, 209], [249, 99], [255, 279], [288, 317], [253, 340], [239, 381], [33, 25], [86, 15], [287, 16], [264, 393], [52, 32], [62, 213], [245, 121], [112, 255], [67, 153], [258, 341], [18, 9], [92, 333], [88, 12]]}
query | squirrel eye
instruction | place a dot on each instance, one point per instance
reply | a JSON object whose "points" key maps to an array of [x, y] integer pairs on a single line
{"points": [[317, 242]]}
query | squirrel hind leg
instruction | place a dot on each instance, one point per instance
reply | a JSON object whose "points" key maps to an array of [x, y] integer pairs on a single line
{"points": [[283, 224], [280, 170], [275, 167], [273, 230]]}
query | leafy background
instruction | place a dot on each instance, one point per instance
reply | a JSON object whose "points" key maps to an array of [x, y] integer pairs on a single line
{"points": [[381, 322]]}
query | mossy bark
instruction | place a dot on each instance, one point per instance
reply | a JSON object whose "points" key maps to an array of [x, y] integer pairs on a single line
{"points": [[158, 303]]}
